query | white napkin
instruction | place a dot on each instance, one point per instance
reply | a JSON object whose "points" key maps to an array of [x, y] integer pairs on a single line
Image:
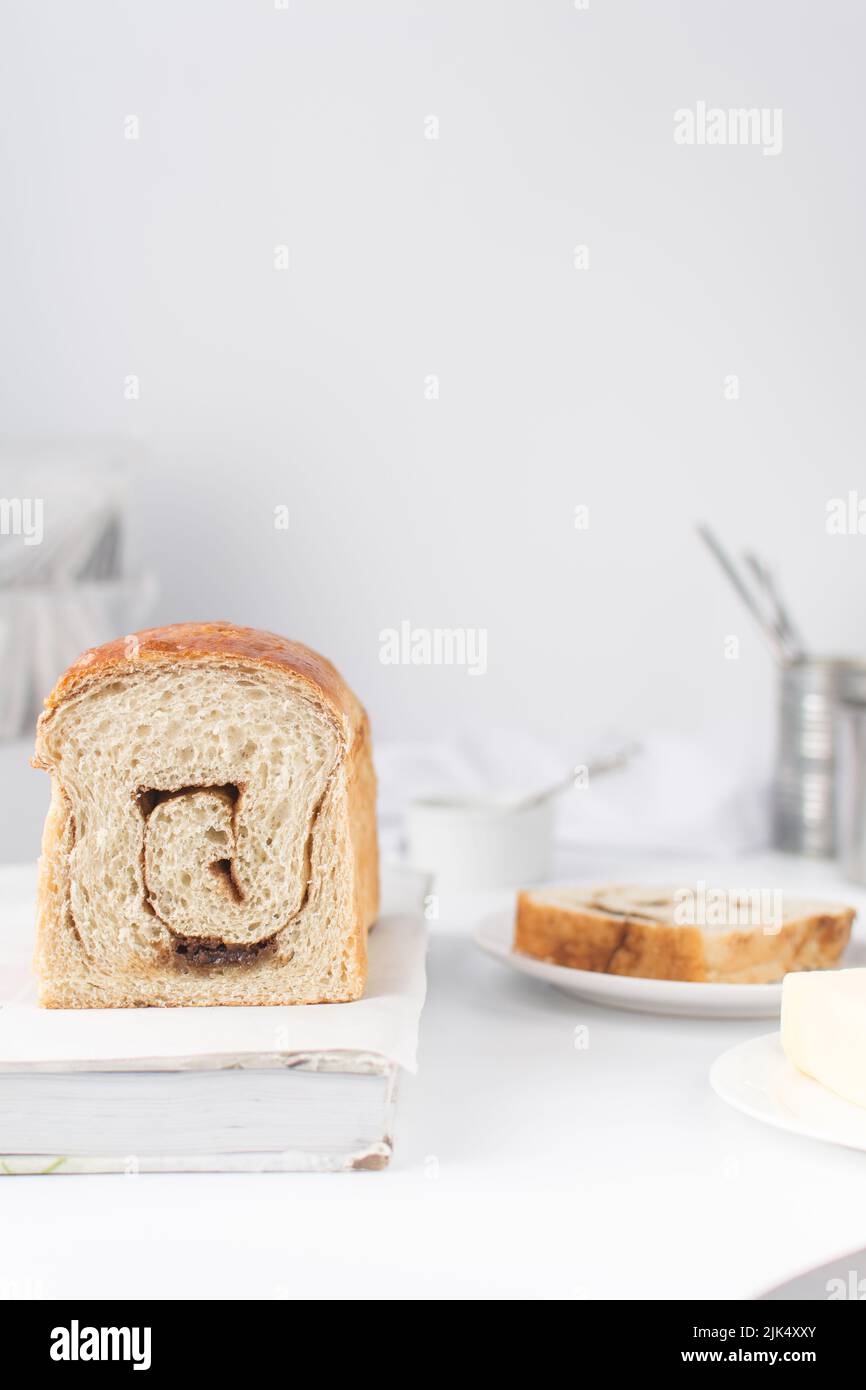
{"points": [[385, 1022], [675, 795]]}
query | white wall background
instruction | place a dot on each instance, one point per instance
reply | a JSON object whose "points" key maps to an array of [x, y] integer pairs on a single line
{"points": [[409, 256]]}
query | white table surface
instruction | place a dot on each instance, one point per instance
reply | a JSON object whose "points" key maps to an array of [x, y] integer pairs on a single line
{"points": [[525, 1168]]}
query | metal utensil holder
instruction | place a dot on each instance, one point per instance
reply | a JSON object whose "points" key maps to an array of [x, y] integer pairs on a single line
{"points": [[805, 794], [851, 778]]}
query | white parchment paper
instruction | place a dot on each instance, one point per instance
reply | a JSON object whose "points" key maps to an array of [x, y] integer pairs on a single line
{"points": [[383, 1024]]}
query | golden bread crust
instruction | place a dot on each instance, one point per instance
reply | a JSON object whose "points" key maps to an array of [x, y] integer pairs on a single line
{"points": [[193, 641], [584, 939]]}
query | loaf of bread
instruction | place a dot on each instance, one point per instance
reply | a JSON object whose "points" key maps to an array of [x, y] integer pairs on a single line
{"points": [[211, 837], [692, 933]]}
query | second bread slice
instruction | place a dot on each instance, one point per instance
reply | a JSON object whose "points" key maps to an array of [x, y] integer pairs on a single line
{"points": [[665, 933]]}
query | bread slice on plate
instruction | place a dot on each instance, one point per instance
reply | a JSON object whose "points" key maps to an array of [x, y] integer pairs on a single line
{"points": [[689, 932], [211, 837]]}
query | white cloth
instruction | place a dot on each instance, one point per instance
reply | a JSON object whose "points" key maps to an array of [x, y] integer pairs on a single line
{"points": [[385, 1022], [675, 795]]}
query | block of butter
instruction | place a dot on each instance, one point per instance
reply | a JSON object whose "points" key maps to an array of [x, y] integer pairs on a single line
{"points": [[824, 1028]]}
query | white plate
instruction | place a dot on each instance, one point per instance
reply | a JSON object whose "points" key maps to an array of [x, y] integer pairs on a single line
{"points": [[757, 1078], [495, 934]]}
